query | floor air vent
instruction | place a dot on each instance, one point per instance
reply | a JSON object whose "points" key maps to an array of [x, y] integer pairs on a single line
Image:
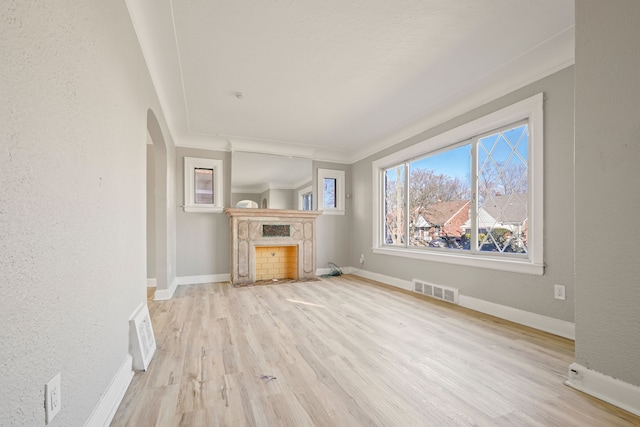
{"points": [[142, 341], [443, 293]]}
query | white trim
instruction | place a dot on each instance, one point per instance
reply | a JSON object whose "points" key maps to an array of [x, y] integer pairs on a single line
{"points": [[306, 190], [530, 109], [544, 323], [205, 278], [106, 408], [333, 212], [604, 387], [515, 265], [165, 294], [338, 175], [202, 209], [152, 283], [190, 205], [327, 270], [548, 324], [407, 285]]}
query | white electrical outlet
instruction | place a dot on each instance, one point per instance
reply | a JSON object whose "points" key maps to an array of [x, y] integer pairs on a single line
{"points": [[559, 292], [361, 258], [52, 398]]}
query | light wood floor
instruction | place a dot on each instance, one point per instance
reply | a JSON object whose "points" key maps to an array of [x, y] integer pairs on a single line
{"points": [[345, 351]]}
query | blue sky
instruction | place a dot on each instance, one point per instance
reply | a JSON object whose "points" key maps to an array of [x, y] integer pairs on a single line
{"points": [[457, 162]]}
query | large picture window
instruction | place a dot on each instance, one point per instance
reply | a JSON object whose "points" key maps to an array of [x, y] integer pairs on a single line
{"points": [[470, 196]]}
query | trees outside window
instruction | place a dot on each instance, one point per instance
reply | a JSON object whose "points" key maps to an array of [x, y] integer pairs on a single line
{"points": [[434, 201], [471, 196]]}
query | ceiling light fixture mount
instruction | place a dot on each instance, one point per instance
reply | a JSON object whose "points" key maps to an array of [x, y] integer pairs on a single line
{"points": [[238, 95]]}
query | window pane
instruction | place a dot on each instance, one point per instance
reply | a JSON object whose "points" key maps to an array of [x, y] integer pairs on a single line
{"points": [[307, 201], [503, 191], [394, 182], [204, 186], [329, 186], [439, 199]]}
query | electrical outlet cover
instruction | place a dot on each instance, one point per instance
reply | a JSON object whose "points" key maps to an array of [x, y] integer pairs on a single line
{"points": [[52, 398]]}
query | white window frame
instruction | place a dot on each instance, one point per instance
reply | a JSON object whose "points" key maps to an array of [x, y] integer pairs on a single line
{"points": [[338, 175], [190, 165], [530, 109], [301, 193]]}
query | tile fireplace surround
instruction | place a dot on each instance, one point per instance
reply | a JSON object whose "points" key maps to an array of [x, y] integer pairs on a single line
{"points": [[271, 227]]}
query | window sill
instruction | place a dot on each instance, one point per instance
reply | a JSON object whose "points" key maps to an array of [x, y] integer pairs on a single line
{"points": [[202, 209], [512, 265], [333, 212]]}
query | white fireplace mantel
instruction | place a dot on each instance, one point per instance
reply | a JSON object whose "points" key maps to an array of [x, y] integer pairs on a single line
{"points": [[251, 228]]}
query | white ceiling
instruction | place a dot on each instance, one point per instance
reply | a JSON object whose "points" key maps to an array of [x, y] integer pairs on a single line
{"points": [[339, 80]]}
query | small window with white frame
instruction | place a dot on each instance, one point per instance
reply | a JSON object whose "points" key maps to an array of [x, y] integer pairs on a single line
{"points": [[331, 191], [203, 185], [470, 196], [305, 199]]}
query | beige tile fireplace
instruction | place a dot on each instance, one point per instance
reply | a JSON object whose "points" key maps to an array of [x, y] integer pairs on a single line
{"points": [[265, 244]]}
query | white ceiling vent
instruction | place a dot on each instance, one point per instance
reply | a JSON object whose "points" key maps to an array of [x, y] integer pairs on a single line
{"points": [[141, 339], [443, 293]]}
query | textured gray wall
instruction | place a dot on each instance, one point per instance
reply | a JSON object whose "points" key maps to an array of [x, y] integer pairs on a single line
{"points": [[202, 238], [75, 93], [607, 148], [521, 291]]}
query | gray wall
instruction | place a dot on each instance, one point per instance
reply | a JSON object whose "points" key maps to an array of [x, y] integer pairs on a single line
{"points": [[75, 93], [607, 149], [165, 215], [202, 238], [151, 214], [280, 198], [521, 291], [334, 232]]}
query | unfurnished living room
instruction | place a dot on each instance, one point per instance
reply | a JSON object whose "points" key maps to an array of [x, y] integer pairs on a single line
{"points": [[319, 213]]}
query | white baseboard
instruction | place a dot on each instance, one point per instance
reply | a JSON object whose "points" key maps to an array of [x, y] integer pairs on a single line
{"points": [[152, 283], [604, 387], [398, 283], [537, 321], [205, 278], [544, 323], [165, 294], [321, 271], [104, 412]]}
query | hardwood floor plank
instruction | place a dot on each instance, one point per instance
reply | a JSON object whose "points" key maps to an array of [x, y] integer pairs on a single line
{"points": [[347, 351]]}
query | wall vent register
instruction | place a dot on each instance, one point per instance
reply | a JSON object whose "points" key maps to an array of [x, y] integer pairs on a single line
{"points": [[443, 293]]}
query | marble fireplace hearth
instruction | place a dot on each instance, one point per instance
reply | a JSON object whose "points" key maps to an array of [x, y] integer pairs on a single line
{"points": [[251, 228]]}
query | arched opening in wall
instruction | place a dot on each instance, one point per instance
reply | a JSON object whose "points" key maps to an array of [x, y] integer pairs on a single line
{"points": [[247, 204], [264, 203], [158, 269], [151, 213]]}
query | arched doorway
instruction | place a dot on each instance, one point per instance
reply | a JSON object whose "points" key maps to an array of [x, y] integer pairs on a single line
{"points": [[157, 235]]}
